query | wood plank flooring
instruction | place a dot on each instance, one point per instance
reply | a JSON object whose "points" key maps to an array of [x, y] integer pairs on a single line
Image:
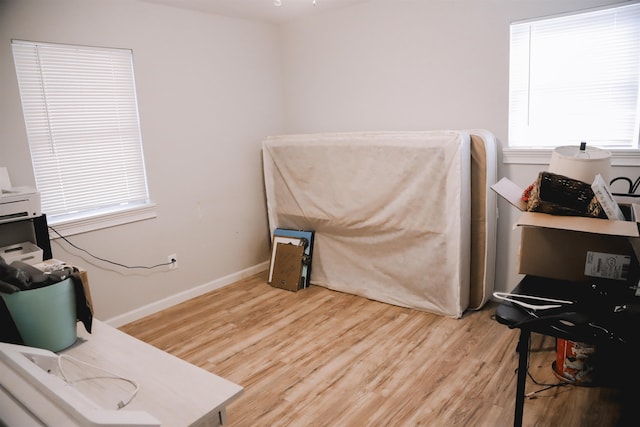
{"points": [[323, 358]]}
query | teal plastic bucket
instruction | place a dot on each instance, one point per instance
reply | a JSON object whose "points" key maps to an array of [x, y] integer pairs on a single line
{"points": [[45, 317]]}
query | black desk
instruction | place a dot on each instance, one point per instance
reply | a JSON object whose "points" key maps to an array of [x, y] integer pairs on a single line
{"points": [[603, 313]]}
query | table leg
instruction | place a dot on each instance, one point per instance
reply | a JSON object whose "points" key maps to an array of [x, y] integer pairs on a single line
{"points": [[523, 361]]}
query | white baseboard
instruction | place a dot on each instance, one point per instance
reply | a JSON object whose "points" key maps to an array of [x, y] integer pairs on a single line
{"points": [[172, 300]]}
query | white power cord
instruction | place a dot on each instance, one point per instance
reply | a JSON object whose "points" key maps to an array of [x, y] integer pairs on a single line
{"points": [[517, 299], [110, 375]]}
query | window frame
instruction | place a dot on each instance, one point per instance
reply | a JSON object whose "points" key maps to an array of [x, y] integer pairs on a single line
{"points": [[542, 156], [523, 154], [102, 214]]}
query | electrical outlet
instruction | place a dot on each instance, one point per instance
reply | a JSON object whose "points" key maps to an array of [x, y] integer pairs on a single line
{"points": [[173, 261]]}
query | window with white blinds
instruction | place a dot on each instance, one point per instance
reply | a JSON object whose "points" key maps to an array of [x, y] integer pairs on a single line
{"points": [[576, 78], [81, 116]]}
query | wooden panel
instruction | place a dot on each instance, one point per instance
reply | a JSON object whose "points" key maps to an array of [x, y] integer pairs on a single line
{"points": [[321, 357]]}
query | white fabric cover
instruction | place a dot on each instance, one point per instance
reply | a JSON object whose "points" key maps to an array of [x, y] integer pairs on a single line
{"points": [[390, 211]]}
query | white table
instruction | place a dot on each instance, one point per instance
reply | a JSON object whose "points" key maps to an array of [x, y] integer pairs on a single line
{"points": [[175, 392]]}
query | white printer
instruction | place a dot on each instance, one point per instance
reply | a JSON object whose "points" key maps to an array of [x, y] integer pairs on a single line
{"points": [[19, 203]]}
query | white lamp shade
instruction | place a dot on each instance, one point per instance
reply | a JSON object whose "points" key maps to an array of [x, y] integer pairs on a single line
{"points": [[582, 165]]}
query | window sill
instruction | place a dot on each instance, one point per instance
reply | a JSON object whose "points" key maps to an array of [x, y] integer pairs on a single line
{"points": [[83, 224], [542, 156]]}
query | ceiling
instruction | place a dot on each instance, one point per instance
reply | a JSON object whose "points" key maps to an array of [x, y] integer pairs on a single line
{"points": [[259, 10]]}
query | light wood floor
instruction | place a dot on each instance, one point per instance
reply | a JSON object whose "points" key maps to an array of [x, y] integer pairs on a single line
{"points": [[323, 358]]}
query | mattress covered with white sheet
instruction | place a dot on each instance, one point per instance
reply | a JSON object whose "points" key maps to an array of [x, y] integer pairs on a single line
{"points": [[390, 211]]}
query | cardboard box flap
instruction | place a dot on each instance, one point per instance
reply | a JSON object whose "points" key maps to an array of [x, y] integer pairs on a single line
{"points": [[577, 223], [511, 192]]}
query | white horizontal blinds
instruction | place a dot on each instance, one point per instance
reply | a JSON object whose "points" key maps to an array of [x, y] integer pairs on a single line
{"points": [[81, 115], [576, 78]]}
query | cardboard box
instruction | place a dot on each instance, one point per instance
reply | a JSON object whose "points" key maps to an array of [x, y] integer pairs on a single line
{"points": [[575, 248]]}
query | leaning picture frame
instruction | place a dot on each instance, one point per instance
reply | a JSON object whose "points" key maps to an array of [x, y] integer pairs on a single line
{"points": [[308, 251]]}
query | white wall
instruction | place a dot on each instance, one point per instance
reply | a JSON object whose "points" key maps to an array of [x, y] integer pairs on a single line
{"points": [[209, 89], [415, 65]]}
